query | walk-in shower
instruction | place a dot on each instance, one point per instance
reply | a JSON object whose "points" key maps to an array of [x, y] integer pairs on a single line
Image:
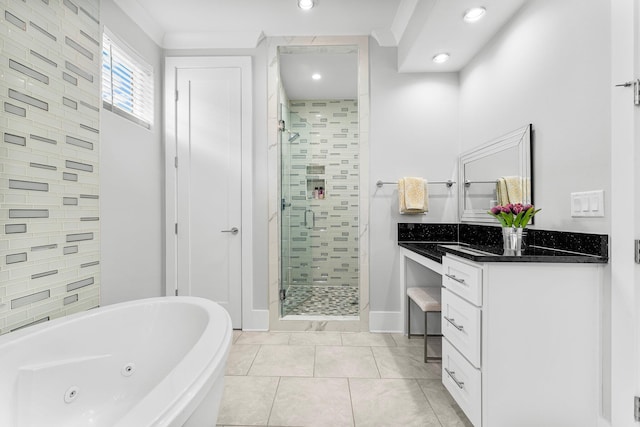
{"points": [[319, 218], [318, 175]]}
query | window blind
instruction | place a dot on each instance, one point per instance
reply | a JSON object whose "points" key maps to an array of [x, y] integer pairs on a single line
{"points": [[127, 82]]}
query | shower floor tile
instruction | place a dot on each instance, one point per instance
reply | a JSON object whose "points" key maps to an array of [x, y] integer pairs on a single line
{"points": [[321, 301]]}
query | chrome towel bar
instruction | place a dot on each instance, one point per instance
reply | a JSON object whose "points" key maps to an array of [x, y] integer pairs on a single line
{"points": [[448, 183]]}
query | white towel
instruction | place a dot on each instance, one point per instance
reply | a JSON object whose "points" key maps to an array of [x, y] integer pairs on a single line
{"points": [[413, 196]]}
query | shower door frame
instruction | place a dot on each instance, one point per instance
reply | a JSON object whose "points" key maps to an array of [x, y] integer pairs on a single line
{"points": [[302, 323]]}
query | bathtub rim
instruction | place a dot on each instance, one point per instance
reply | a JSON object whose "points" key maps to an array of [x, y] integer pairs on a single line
{"points": [[185, 401], [180, 409], [58, 322]]}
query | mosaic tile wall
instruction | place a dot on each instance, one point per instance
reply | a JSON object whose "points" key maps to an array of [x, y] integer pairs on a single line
{"points": [[50, 61], [326, 153]]}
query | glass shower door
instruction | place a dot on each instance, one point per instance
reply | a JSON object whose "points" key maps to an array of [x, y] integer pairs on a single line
{"points": [[297, 220]]}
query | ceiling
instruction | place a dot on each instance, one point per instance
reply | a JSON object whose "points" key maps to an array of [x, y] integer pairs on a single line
{"points": [[337, 66], [419, 29]]}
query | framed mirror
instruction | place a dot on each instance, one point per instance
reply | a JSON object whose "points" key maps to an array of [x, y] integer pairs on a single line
{"points": [[496, 173]]}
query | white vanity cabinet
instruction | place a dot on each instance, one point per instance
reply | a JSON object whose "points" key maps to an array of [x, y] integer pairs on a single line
{"points": [[521, 343]]}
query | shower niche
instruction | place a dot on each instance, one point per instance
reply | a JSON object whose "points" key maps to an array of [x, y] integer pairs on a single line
{"points": [[316, 184]]}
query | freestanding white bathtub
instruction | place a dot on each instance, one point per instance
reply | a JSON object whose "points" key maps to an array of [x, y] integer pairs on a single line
{"points": [[151, 362]]}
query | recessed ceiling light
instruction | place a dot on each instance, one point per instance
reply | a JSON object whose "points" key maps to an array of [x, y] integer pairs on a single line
{"points": [[440, 58], [474, 14], [305, 4], [316, 76]]}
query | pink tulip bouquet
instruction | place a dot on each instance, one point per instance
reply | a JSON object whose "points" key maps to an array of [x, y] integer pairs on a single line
{"points": [[514, 215]]}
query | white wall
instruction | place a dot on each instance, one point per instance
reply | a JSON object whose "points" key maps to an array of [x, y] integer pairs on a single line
{"points": [[414, 132], [131, 184], [550, 67], [260, 182]]}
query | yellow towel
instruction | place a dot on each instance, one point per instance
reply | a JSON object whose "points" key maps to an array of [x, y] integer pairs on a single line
{"points": [[412, 195], [514, 188]]}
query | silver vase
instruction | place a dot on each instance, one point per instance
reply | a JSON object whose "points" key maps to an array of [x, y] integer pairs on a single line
{"points": [[512, 240]]}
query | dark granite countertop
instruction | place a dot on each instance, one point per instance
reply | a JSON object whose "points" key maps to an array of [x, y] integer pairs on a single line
{"points": [[484, 244], [480, 253]]}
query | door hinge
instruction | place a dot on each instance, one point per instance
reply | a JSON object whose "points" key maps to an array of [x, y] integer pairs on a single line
{"points": [[283, 294], [637, 251], [175, 161], [177, 96], [176, 228], [176, 292], [636, 407]]}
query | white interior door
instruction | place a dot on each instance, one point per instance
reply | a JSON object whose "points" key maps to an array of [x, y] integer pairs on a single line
{"points": [[625, 212], [635, 280], [208, 202]]}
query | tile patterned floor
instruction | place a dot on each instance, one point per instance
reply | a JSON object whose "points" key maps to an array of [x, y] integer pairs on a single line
{"points": [[321, 301], [332, 379]]}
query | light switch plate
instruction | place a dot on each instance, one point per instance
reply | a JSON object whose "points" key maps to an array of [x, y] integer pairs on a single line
{"points": [[587, 204]]}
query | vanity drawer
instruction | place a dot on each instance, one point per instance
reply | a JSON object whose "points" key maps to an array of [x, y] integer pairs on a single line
{"points": [[461, 325], [462, 279], [463, 382]]}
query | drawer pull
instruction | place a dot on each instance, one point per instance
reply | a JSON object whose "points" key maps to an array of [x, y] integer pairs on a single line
{"points": [[453, 322], [452, 277], [452, 375]]}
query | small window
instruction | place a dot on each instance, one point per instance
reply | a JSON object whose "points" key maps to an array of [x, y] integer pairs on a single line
{"points": [[127, 82]]}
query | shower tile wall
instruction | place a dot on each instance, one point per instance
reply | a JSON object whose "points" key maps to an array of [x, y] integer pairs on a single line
{"points": [[328, 138], [50, 60]]}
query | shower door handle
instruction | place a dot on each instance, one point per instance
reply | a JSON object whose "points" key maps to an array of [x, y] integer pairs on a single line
{"points": [[313, 219]]}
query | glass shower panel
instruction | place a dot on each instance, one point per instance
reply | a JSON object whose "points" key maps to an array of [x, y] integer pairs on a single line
{"points": [[297, 217], [285, 208]]}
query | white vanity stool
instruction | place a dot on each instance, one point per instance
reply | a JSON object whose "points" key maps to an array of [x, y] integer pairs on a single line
{"points": [[428, 299]]}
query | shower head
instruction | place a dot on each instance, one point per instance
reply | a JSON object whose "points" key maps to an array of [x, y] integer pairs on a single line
{"points": [[293, 136]]}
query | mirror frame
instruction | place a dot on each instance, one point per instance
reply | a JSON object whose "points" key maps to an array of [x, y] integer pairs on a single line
{"points": [[520, 138], [273, 88]]}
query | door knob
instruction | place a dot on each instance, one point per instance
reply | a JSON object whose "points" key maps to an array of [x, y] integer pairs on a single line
{"points": [[234, 230]]}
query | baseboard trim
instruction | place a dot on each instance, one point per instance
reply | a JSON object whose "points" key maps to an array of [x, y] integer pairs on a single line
{"points": [[256, 321], [386, 321]]}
